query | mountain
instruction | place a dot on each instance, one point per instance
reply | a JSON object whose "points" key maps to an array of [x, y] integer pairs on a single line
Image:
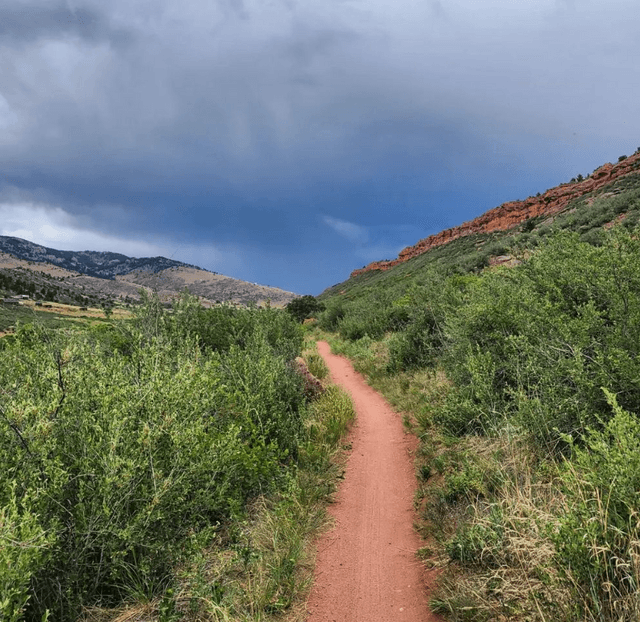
{"points": [[91, 277], [103, 265], [513, 213]]}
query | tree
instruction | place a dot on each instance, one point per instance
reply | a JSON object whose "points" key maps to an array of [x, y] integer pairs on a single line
{"points": [[304, 307]]}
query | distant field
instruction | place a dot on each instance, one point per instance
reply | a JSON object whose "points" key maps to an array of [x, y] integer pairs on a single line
{"points": [[54, 316]]}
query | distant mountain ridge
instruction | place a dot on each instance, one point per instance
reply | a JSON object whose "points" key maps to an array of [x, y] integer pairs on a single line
{"points": [[513, 213], [91, 276], [103, 265]]}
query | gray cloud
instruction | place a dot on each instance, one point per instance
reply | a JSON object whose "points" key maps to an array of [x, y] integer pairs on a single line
{"points": [[349, 230], [242, 111], [26, 22]]}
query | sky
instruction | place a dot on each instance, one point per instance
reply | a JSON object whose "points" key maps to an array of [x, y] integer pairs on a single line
{"points": [[289, 142]]}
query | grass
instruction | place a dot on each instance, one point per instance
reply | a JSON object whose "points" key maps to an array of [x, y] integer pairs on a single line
{"points": [[10, 315], [504, 558], [57, 315]]}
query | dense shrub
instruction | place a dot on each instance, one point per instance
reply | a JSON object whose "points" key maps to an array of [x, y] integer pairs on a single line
{"points": [[219, 328], [421, 339], [419, 344], [536, 343], [118, 445], [331, 317], [304, 307]]}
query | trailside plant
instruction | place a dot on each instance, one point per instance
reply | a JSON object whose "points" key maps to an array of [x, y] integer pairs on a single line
{"points": [[114, 457], [304, 307], [598, 537]]}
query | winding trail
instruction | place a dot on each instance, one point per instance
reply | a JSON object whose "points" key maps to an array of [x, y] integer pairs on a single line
{"points": [[366, 568]]}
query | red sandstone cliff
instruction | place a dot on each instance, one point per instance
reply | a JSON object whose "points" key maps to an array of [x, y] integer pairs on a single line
{"points": [[511, 214]]}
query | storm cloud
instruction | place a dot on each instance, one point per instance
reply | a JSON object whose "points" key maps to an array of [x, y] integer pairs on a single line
{"points": [[253, 126]]}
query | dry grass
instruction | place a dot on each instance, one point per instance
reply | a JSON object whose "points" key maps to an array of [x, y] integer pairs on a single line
{"points": [[509, 572], [612, 595], [11, 262], [74, 311]]}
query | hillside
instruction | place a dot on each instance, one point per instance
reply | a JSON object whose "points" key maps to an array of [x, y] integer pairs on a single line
{"points": [[206, 285], [509, 232], [513, 213], [91, 277], [521, 383]]}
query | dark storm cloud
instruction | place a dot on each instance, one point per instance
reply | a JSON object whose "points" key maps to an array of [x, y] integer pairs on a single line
{"points": [[277, 126], [26, 22]]}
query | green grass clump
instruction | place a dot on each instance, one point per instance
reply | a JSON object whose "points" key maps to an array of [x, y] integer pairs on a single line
{"points": [[317, 366]]}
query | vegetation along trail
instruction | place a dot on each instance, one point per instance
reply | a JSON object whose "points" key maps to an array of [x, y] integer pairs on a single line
{"points": [[366, 567]]}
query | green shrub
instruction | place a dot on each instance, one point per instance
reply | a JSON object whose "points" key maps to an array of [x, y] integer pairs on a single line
{"points": [[534, 343], [121, 444], [317, 366], [304, 307], [598, 540], [331, 317], [24, 548]]}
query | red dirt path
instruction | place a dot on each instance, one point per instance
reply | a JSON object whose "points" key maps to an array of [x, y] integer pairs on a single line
{"points": [[366, 567]]}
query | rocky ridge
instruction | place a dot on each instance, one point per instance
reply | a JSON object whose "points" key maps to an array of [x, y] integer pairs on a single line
{"points": [[103, 265], [513, 213]]}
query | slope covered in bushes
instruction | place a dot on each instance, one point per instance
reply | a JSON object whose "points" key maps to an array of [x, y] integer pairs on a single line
{"points": [[523, 384]]}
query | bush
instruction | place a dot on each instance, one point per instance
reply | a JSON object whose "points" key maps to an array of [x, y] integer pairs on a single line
{"points": [[114, 457], [304, 307], [598, 540], [331, 317], [420, 343], [534, 343], [24, 548]]}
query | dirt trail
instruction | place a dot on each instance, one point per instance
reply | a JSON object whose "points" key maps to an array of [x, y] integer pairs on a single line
{"points": [[366, 566]]}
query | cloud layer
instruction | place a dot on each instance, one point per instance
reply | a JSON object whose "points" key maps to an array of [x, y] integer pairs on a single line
{"points": [[267, 128]]}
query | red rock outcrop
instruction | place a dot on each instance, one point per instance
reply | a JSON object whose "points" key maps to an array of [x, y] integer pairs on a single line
{"points": [[513, 213]]}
